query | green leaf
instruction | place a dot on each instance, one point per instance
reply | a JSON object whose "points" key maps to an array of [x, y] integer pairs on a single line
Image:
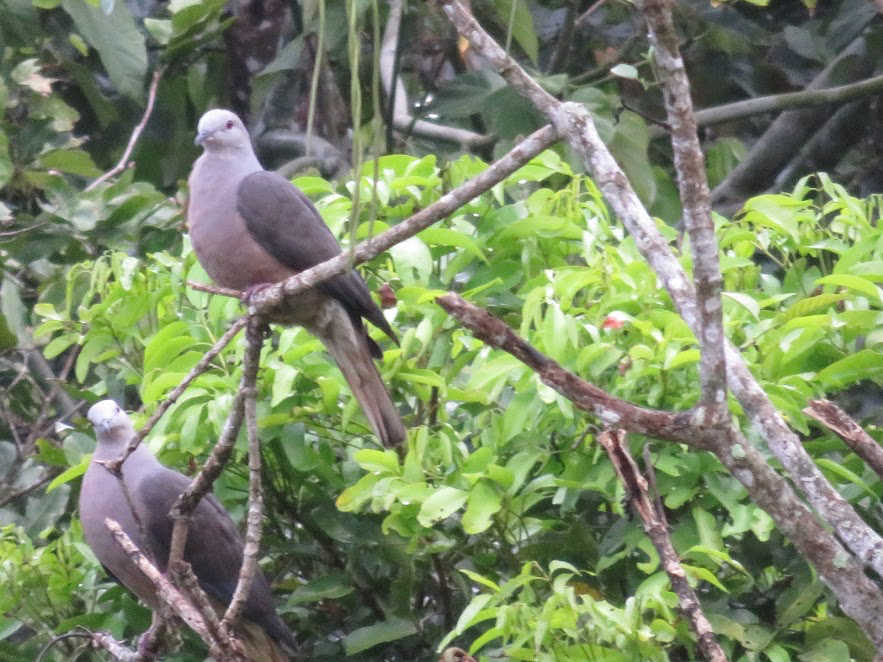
{"points": [[72, 161], [69, 474], [522, 26], [810, 305], [119, 43], [624, 70], [443, 503], [327, 587], [413, 261], [391, 629], [484, 501], [382, 462], [857, 283], [842, 472], [864, 364]]}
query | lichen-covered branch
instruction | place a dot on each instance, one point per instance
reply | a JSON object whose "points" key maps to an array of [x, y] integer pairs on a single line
{"points": [[689, 163]]}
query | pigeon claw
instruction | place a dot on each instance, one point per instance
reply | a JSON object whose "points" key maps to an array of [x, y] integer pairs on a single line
{"points": [[249, 294]]}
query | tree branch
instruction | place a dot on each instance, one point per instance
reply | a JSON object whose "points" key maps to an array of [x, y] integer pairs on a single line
{"points": [[689, 165], [614, 442], [839, 422], [136, 133], [254, 336], [777, 103], [669, 426], [575, 124]]}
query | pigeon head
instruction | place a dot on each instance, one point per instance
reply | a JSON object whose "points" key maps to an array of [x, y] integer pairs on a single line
{"points": [[220, 129]]}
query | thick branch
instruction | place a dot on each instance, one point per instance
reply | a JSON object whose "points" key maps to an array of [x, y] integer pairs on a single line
{"points": [[614, 442], [693, 184], [575, 124], [837, 420], [254, 337]]}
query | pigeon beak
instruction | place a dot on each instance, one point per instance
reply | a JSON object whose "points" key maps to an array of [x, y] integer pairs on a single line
{"points": [[202, 136]]}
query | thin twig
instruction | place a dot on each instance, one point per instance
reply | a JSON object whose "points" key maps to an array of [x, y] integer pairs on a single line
{"points": [[214, 289], [254, 337], [136, 133], [842, 424], [614, 442], [187, 581], [198, 369], [584, 17]]}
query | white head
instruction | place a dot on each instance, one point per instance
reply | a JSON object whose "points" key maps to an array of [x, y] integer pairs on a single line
{"points": [[109, 419], [220, 129]]}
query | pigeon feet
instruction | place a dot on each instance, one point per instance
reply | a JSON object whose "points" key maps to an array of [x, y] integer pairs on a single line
{"points": [[249, 294]]}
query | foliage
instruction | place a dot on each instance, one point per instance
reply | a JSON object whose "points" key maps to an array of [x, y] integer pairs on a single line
{"points": [[503, 489], [503, 529]]}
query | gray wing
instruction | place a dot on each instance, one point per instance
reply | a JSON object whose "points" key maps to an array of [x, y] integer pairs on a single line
{"points": [[214, 549], [287, 225]]}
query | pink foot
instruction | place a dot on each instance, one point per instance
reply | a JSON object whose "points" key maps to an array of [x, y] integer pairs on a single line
{"points": [[251, 291]]}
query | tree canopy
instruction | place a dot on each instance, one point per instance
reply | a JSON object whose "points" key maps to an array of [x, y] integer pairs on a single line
{"points": [[559, 312]]}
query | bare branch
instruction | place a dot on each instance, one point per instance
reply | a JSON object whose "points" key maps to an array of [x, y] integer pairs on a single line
{"points": [[402, 119], [166, 592], [214, 289], [777, 103], [693, 184], [136, 133], [202, 482], [187, 581], [614, 442], [837, 420], [575, 124], [254, 336]]}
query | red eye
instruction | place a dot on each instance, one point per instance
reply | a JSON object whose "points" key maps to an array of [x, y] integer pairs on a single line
{"points": [[229, 124]]}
